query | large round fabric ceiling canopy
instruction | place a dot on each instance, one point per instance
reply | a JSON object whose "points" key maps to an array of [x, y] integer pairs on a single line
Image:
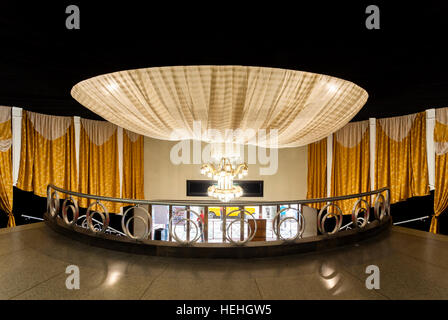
{"points": [[304, 107]]}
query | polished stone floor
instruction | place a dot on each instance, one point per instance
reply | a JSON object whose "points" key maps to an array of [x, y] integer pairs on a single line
{"points": [[33, 261]]}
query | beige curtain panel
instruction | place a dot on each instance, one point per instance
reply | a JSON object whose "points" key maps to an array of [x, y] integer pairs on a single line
{"points": [[441, 177], [304, 107], [98, 163], [48, 153], [351, 163], [5, 122], [401, 162], [6, 189], [5, 129]]}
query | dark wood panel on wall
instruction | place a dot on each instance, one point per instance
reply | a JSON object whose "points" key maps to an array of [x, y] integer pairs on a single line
{"points": [[251, 188]]}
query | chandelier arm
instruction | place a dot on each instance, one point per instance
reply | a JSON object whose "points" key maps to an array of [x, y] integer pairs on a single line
{"points": [[239, 168], [211, 168]]}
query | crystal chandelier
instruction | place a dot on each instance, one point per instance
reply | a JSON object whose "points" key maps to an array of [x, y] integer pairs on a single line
{"points": [[224, 190]]}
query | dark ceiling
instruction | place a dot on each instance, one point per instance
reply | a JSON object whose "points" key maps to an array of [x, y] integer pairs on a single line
{"points": [[403, 66]]}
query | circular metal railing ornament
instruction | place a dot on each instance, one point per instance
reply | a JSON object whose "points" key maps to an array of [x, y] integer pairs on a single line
{"points": [[251, 233], [321, 220], [381, 207], [146, 222], [57, 208], [187, 220], [53, 204], [104, 217], [73, 207], [357, 209], [300, 224]]}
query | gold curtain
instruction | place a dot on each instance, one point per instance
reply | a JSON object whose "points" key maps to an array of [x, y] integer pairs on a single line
{"points": [[401, 156], [351, 163], [441, 177], [317, 172], [6, 194], [132, 165], [98, 162], [48, 154]]}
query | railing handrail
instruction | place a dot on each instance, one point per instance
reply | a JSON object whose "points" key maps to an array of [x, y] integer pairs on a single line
{"points": [[214, 203], [381, 209]]}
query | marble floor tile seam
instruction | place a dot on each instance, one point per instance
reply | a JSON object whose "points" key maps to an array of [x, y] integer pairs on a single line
{"points": [[9, 250], [371, 260], [147, 288], [26, 227], [416, 243], [167, 289], [55, 289], [362, 281], [383, 293], [421, 260], [160, 275], [392, 284], [165, 268], [14, 251], [37, 284], [258, 288], [420, 234], [314, 293]]}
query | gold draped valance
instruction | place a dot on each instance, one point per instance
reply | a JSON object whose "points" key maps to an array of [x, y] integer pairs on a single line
{"points": [[5, 129], [401, 162], [351, 163], [48, 156], [98, 162], [48, 153]]}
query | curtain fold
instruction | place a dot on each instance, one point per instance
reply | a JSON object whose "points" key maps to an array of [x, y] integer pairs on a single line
{"points": [[98, 162], [317, 172], [48, 154], [351, 163], [441, 177], [157, 102], [400, 162], [133, 168], [6, 189]]}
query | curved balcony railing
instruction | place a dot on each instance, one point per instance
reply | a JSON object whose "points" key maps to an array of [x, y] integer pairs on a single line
{"points": [[63, 205]]}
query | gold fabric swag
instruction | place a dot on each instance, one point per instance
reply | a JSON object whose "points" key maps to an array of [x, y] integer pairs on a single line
{"points": [[441, 176], [401, 162], [351, 163], [6, 190], [317, 172], [133, 166], [98, 162], [158, 102], [48, 154]]}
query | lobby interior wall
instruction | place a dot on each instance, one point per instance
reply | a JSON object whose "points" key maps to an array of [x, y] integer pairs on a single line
{"points": [[165, 180]]}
